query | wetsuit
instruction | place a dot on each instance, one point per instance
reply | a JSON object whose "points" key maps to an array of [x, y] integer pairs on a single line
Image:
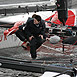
{"points": [[35, 30]]}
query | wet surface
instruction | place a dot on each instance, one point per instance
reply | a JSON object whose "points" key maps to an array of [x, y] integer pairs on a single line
{"points": [[44, 56], [16, 53], [55, 54]]}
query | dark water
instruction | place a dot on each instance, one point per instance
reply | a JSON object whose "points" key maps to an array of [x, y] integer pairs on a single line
{"points": [[14, 73]]}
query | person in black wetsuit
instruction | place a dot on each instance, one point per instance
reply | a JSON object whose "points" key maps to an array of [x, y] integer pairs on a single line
{"points": [[34, 32]]}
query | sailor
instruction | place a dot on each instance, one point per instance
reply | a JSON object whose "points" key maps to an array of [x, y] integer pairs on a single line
{"points": [[35, 32]]}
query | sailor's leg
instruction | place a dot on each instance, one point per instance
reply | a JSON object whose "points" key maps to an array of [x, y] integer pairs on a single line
{"points": [[20, 35], [33, 48], [39, 42]]}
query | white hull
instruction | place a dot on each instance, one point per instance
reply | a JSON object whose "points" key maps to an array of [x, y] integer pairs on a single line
{"points": [[11, 41]]}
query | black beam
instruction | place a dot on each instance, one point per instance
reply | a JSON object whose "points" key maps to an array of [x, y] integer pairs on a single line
{"points": [[25, 9], [31, 66]]}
